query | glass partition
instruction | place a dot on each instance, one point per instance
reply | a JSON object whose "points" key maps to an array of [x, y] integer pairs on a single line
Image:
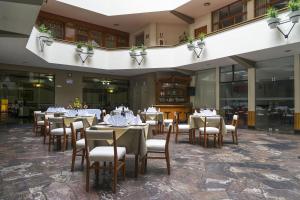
{"points": [[26, 92], [275, 94], [234, 93], [105, 93]]}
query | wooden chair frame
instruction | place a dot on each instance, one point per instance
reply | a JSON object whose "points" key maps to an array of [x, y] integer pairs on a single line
{"points": [[166, 154], [191, 132], [117, 164], [216, 136], [77, 152], [58, 137], [235, 123]]}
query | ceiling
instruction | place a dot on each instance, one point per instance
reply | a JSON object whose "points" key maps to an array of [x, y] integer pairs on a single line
{"points": [[132, 22]]}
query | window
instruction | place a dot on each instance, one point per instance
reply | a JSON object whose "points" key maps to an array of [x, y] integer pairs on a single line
{"points": [[229, 15], [261, 6], [197, 31], [234, 93], [110, 41], [275, 94]]}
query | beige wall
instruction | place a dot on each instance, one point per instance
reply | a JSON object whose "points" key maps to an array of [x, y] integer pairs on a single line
{"points": [[149, 30], [204, 20], [297, 82], [171, 33]]}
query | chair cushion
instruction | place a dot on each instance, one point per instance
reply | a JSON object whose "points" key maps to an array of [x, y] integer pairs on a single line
{"points": [[183, 127], [60, 131], [40, 123], [209, 130], [230, 128], [151, 122], [106, 153], [80, 143], [168, 120], [156, 145]]}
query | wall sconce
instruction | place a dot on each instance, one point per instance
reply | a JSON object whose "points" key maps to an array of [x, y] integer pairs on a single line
{"points": [[84, 53], [196, 48], [274, 21], [138, 54], [44, 38]]}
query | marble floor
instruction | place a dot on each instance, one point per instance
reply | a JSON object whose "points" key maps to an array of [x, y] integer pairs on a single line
{"points": [[262, 166]]}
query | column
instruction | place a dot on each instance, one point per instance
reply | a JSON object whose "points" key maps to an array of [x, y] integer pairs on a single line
{"points": [[251, 97], [218, 89], [297, 93], [250, 9]]}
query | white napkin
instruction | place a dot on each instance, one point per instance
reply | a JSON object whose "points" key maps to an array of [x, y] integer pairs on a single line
{"points": [[106, 118]]}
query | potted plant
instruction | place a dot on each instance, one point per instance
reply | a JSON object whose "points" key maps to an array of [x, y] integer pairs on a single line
{"points": [[273, 20], [294, 6], [190, 43], [132, 51], [45, 34], [201, 42], [143, 50], [79, 46], [90, 48]]}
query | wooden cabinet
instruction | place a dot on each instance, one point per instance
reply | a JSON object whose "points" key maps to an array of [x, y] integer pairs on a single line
{"points": [[172, 90]]}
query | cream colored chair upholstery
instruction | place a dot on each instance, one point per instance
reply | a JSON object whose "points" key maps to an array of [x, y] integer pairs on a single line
{"points": [[97, 154], [78, 143], [232, 128], [58, 131]]}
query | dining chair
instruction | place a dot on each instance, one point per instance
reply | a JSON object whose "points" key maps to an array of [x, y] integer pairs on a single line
{"points": [[158, 146], [47, 126], [211, 131], [167, 122], [38, 124], [77, 144], [95, 155], [57, 131], [182, 129], [232, 128]]}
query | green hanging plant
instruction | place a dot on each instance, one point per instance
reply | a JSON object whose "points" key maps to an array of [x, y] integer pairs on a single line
{"points": [[272, 12], [294, 5], [201, 36], [190, 40]]}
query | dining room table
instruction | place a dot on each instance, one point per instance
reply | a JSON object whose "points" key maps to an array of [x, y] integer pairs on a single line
{"points": [[132, 137]]}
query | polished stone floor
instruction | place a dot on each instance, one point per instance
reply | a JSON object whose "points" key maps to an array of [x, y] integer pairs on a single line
{"points": [[262, 166]]}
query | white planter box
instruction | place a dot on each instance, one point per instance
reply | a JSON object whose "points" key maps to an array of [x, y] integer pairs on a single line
{"points": [[294, 16], [132, 54], [143, 53], [273, 22], [201, 44], [190, 46]]}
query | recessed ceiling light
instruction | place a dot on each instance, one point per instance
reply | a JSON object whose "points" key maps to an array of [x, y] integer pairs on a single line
{"points": [[116, 24], [206, 4]]}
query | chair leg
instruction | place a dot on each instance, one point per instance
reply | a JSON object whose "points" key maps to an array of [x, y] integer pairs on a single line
{"points": [[233, 139], [168, 163], [236, 138], [115, 178], [64, 143], [49, 146], [176, 136], [215, 140], [87, 184], [205, 140], [73, 159], [82, 157], [124, 168], [97, 166]]}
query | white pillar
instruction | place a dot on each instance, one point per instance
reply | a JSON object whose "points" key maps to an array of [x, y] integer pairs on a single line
{"points": [[217, 88], [250, 9], [297, 92], [251, 97]]}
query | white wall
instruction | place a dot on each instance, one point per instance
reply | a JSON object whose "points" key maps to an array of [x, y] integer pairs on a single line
{"points": [[245, 39]]}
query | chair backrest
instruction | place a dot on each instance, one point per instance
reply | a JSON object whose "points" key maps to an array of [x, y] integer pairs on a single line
{"points": [[213, 119], [56, 122], [76, 127], [47, 116], [92, 136], [235, 120], [168, 138], [39, 116]]}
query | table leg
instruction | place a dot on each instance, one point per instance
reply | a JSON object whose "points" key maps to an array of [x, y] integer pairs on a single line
{"points": [[136, 168]]}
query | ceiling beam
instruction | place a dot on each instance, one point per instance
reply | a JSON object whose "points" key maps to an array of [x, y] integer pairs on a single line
{"points": [[185, 71], [12, 34], [243, 61], [183, 17], [32, 2]]}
